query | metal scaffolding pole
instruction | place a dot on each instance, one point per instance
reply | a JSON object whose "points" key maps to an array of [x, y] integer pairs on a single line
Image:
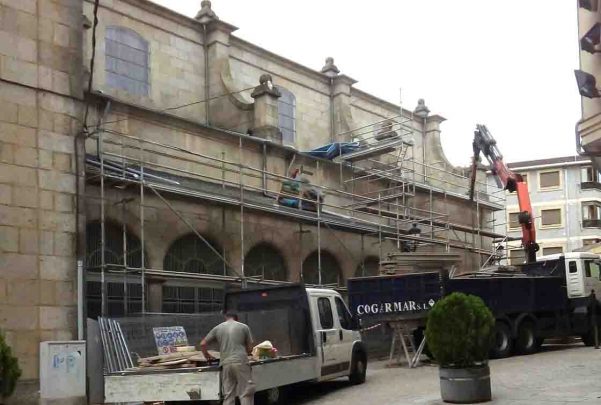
{"points": [[241, 175], [125, 268], [143, 161], [142, 234], [380, 226], [103, 286], [318, 234]]}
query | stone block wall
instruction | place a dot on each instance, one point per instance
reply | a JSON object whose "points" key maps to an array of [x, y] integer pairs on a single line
{"points": [[176, 55], [40, 93]]}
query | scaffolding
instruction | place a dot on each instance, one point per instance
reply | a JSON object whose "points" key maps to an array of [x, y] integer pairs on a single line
{"points": [[383, 188]]}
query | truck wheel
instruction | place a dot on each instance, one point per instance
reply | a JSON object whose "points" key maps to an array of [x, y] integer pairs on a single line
{"points": [[539, 342], [358, 368], [272, 396], [525, 343], [502, 343], [589, 338]]}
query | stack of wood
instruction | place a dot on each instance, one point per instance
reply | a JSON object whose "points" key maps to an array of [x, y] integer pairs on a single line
{"points": [[174, 360]]}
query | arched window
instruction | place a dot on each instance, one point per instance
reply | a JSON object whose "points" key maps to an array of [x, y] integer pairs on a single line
{"points": [[113, 246], [265, 262], [287, 116], [190, 254], [330, 269], [120, 298], [126, 61], [369, 267]]}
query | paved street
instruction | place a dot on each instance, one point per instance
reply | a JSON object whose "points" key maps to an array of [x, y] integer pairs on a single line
{"points": [[558, 375]]}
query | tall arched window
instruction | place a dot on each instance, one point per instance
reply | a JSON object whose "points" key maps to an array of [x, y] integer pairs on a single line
{"points": [[190, 254], [126, 61], [330, 269], [120, 298], [369, 267], [265, 262], [287, 116], [113, 246]]}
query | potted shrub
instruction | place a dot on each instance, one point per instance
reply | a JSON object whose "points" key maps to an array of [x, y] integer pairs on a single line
{"points": [[9, 370], [458, 333]]}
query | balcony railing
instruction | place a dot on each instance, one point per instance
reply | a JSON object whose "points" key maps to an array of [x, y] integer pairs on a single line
{"points": [[591, 223], [590, 185]]}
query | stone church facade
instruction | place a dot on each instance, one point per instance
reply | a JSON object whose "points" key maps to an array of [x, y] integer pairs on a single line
{"points": [[159, 186]]}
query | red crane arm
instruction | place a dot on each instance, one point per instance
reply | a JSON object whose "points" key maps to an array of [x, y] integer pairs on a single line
{"points": [[484, 143], [514, 182]]}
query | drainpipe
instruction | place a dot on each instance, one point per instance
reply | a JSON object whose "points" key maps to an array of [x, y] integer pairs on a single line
{"points": [[264, 174], [331, 71], [332, 134], [567, 213], [424, 148], [206, 62], [80, 230]]}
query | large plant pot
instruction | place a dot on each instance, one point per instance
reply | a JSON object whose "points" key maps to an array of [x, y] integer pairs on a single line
{"points": [[465, 385]]}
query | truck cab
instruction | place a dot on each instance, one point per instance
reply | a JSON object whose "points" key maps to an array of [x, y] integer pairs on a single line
{"points": [[581, 270], [337, 337]]}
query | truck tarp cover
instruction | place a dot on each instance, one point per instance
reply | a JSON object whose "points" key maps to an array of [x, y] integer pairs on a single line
{"points": [[278, 314], [405, 296], [514, 294]]}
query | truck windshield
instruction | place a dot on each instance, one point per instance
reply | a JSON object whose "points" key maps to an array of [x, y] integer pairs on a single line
{"points": [[591, 269], [343, 315]]}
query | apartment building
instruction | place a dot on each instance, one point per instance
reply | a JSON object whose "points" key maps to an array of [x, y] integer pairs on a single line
{"points": [[588, 128], [566, 198]]}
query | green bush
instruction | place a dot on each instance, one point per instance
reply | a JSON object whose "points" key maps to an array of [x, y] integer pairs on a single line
{"points": [[459, 331], [9, 369]]}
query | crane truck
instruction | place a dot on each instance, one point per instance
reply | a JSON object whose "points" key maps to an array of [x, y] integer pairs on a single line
{"points": [[553, 296]]}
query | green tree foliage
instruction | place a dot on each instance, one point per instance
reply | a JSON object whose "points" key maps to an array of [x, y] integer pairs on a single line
{"points": [[459, 331], [9, 369]]}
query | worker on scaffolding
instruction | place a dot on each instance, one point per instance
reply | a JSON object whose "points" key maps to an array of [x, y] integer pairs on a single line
{"points": [[235, 344], [408, 246]]}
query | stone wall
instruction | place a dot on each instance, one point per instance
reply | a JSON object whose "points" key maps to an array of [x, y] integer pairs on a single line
{"points": [[176, 55], [40, 93]]}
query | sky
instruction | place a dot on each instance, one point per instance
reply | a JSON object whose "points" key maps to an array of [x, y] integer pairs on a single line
{"points": [[506, 64]]}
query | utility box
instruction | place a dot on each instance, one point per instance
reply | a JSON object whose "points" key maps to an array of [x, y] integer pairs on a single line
{"points": [[63, 372]]}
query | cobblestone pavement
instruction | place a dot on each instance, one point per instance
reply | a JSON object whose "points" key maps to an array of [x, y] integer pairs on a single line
{"points": [[562, 374]]}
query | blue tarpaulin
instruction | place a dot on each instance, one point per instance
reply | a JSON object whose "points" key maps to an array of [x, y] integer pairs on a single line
{"points": [[332, 150]]}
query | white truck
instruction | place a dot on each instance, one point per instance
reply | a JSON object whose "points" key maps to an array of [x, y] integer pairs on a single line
{"points": [[313, 330]]}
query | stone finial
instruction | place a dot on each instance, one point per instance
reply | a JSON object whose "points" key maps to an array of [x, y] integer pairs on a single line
{"points": [[265, 87], [421, 110], [329, 68], [206, 14]]}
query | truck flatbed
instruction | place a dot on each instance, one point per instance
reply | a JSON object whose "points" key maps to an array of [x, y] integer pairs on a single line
{"points": [[313, 330], [202, 383]]}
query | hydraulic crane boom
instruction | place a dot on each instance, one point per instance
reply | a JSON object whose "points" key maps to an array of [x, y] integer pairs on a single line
{"points": [[485, 144]]}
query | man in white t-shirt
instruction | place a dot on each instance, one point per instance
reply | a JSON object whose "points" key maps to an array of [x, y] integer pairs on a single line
{"points": [[235, 344]]}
